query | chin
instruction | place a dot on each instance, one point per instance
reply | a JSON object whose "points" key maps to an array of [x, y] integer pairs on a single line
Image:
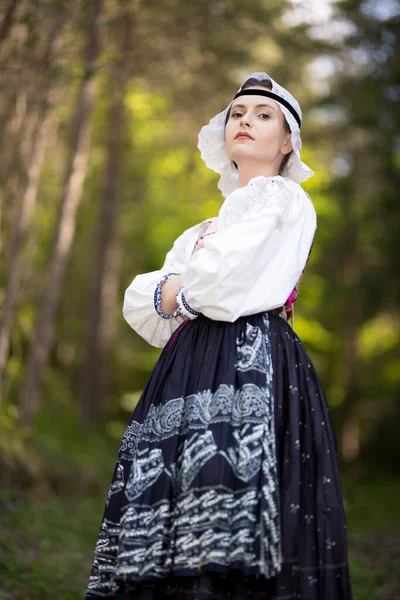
{"points": [[238, 157]]}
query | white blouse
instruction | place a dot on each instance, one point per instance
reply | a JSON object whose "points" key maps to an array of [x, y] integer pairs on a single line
{"points": [[251, 264]]}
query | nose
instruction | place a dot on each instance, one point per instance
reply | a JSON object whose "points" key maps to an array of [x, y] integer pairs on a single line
{"points": [[244, 121]]}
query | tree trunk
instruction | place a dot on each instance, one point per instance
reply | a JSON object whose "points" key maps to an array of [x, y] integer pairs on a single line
{"points": [[65, 229], [104, 294], [23, 218], [25, 209], [7, 21]]}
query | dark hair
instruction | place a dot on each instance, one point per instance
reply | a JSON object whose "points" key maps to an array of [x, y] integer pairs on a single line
{"points": [[265, 83]]}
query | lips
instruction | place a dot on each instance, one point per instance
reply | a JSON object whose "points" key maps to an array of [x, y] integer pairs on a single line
{"points": [[243, 135]]}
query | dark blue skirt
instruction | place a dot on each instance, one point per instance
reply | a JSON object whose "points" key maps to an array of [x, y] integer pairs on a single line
{"points": [[226, 483]]}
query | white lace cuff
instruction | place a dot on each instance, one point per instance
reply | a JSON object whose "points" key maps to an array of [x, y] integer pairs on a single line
{"points": [[158, 298], [183, 307]]}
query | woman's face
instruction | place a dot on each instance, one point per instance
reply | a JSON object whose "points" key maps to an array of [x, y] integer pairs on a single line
{"points": [[261, 119]]}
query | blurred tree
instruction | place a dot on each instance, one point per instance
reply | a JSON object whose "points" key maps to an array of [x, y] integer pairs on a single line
{"points": [[357, 120], [27, 204], [76, 170], [7, 19], [107, 266]]}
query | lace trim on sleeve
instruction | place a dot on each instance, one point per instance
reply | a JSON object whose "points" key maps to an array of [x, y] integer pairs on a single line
{"points": [[158, 298], [183, 306]]}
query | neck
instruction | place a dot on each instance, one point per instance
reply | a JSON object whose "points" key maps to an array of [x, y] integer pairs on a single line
{"points": [[249, 170]]}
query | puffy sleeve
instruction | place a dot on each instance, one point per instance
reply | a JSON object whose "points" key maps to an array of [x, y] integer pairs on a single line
{"points": [[253, 262], [138, 306]]}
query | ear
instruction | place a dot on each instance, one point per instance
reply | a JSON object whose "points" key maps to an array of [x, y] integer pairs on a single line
{"points": [[287, 145]]}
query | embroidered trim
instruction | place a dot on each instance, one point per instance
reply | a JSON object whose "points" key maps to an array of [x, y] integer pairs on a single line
{"points": [[183, 306], [158, 299]]}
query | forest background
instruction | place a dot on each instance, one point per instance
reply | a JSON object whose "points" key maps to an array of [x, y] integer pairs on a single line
{"points": [[101, 105]]}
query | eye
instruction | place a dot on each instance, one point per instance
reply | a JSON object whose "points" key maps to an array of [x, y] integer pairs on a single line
{"points": [[265, 115], [236, 114]]}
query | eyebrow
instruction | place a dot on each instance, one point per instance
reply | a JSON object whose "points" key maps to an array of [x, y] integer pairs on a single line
{"points": [[257, 106]]}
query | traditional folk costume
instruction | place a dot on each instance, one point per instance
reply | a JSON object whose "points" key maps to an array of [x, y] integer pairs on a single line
{"points": [[226, 484]]}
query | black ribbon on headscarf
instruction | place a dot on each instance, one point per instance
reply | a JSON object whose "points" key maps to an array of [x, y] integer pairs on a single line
{"points": [[260, 92]]}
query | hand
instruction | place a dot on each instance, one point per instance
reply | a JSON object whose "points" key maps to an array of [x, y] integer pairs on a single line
{"points": [[168, 293]]}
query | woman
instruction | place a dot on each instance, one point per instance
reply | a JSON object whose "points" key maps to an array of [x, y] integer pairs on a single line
{"points": [[226, 483]]}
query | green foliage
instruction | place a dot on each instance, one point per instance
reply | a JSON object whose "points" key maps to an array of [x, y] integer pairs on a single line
{"points": [[374, 503], [366, 579], [46, 546]]}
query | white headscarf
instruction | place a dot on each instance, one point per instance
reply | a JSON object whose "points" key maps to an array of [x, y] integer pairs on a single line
{"points": [[213, 149]]}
